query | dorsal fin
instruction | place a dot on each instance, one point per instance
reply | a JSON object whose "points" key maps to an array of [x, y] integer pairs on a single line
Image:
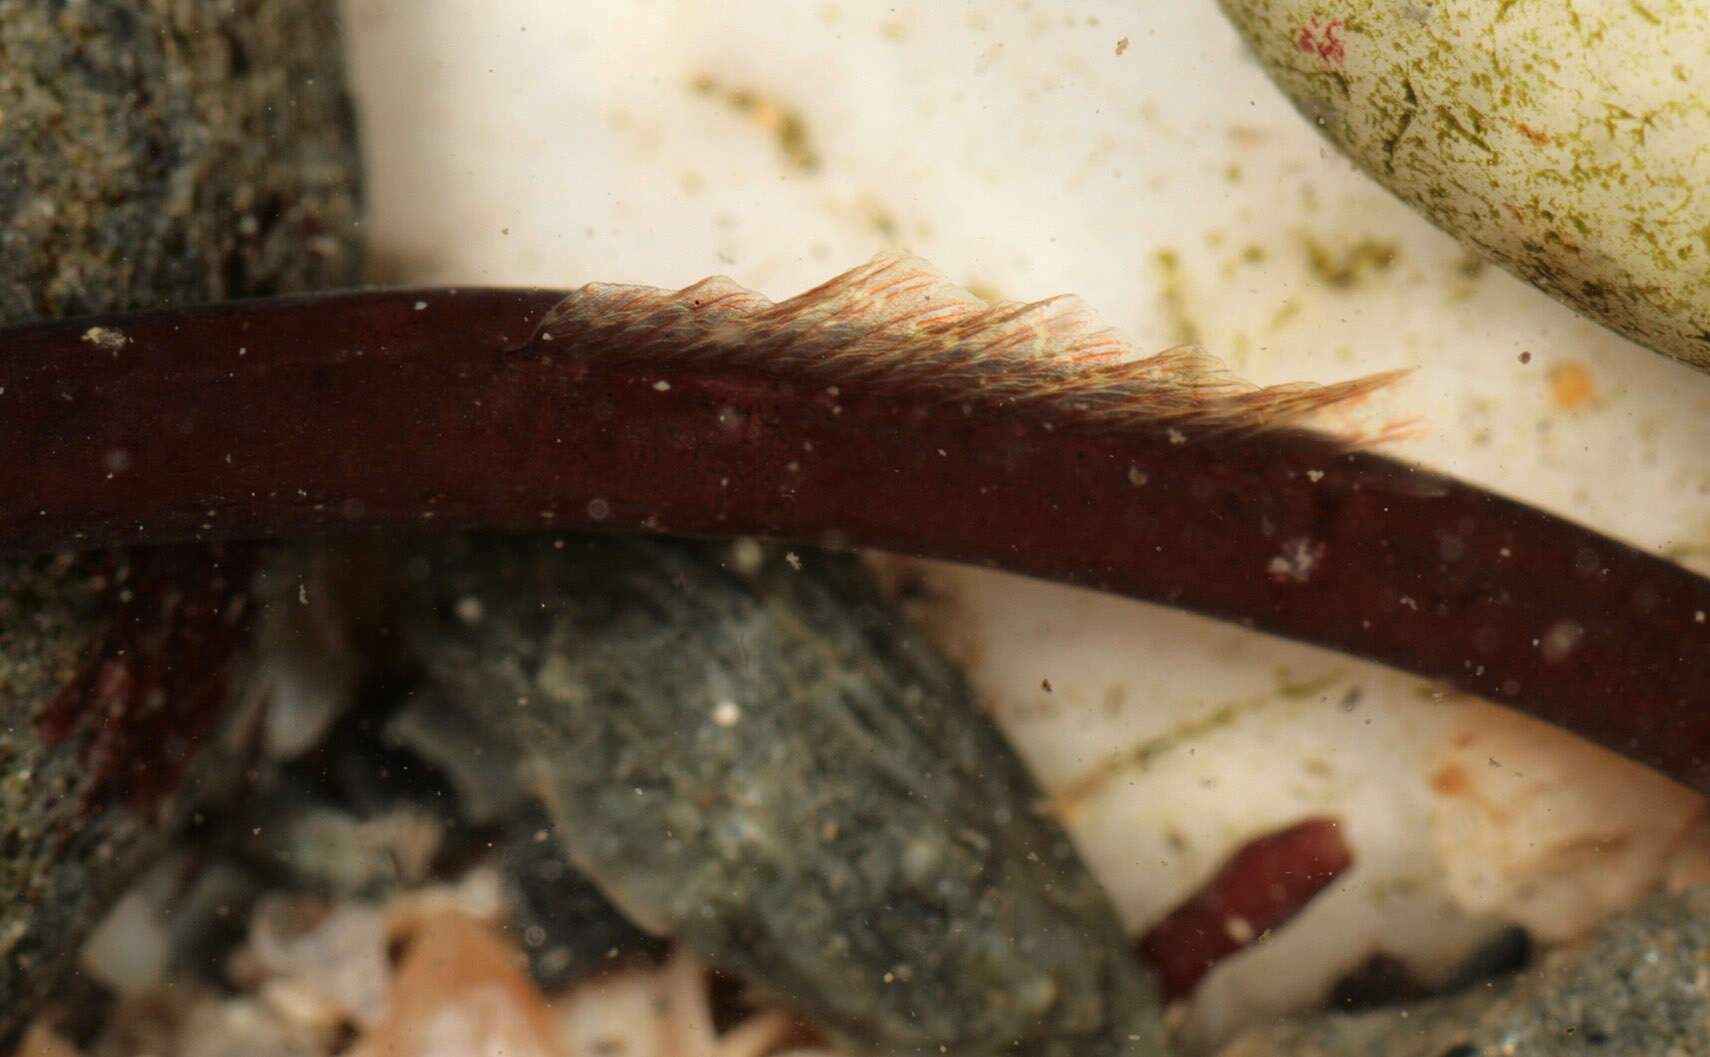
{"points": [[897, 325]]}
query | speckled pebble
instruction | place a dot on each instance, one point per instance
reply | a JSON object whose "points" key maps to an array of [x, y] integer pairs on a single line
{"points": [[1571, 144]]}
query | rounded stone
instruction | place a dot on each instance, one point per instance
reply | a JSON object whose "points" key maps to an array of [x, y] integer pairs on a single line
{"points": [[1568, 143]]}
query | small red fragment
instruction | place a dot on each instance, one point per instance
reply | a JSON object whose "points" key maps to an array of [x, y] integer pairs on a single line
{"points": [[1260, 888], [1537, 136], [1320, 38], [158, 672]]}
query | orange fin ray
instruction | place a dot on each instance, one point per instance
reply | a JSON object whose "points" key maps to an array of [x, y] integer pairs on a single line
{"points": [[896, 324]]}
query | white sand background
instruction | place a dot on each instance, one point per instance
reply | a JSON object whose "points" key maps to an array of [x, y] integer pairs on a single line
{"points": [[1130, 153]]}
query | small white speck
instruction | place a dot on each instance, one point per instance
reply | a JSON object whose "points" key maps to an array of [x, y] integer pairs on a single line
{"points": [[1409, 602], [1137, 477], [793, 561], [1239, 929], [1315, 476], [1177, 436], [243, 350], [727, 713], [1560, 640], [1698, 617], [106, 338], [1297, 560], [746, 557], [469, 609], [421, 306], [599, 509], [662, 386], [302, 593]]}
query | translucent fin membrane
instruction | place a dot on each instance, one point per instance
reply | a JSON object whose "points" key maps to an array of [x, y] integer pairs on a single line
{"points": [[895, 324]]}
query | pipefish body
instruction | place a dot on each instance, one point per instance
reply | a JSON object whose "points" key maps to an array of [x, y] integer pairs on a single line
{"points": [[886, 408]]}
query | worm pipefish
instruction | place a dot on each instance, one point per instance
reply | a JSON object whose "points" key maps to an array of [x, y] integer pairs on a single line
{"points": [[886, 408]]}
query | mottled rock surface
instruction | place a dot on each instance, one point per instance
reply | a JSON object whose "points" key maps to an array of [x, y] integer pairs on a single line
{"points": [[115, 673], [1637, 987], [169, 151], [770, 766]]}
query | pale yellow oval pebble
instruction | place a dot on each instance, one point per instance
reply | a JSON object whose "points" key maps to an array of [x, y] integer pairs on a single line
{"points": [[1570, 142]]}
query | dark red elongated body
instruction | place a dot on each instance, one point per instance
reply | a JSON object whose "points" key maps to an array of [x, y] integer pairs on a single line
{"points": [[436, 410]]}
